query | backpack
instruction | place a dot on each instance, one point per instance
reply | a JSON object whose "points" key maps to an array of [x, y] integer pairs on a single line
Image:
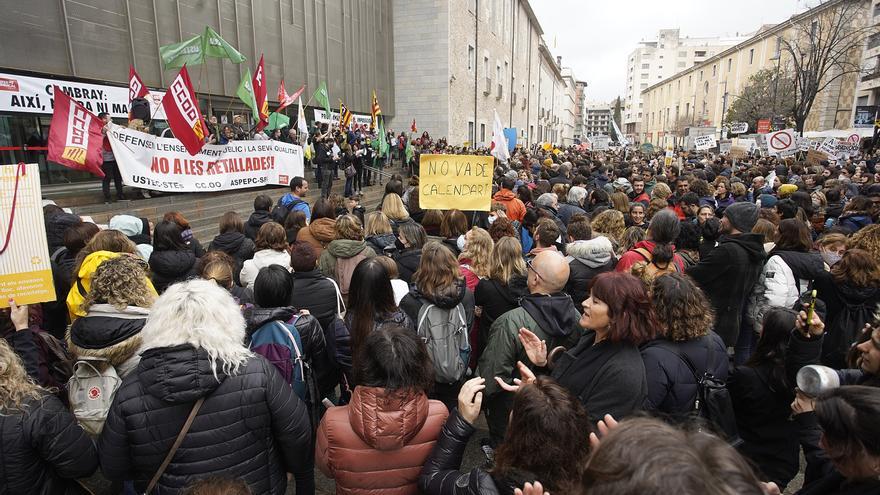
{"points": [[345, 269], [281, 345], [279, 212], [445, 333], [647, 270], [58, 360], [91, 392]]}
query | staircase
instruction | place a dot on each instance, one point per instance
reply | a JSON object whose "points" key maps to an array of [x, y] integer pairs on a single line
{"points": [[202, 210]]}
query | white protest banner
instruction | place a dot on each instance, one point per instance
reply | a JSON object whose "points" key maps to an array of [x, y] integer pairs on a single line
{"points": [[847, 149], [724, 146], [35, 95], [25, 268], [163, 164], [828, 146], [803, 144], [782, 143], [359, 118], [748, 143], [704, 142], [600, 143], [739, 127]]}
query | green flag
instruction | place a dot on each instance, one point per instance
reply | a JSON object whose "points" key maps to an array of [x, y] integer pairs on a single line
{"points": [[187, 52], [409, 149], [322, 97], [215, 46], [245, 92], [277, 121]]}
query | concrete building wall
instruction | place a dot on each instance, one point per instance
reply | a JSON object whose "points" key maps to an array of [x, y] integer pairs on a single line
{"points": [[348, 43]]}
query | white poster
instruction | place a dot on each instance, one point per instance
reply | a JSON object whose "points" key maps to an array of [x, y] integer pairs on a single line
{"points": [[28, 94], [782, 143], [600, 143], [739, 127], [163, 164], [321, 116], [704, 142]]}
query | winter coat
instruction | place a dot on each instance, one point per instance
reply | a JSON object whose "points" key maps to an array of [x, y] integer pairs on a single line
{"points": [[254, 222], [568, 210], [446, 298], [251, 425], [853, 221], [56, 225], [631, 257], [55, 312], [294, 203], [339, 260], [848, 308], [339, 338], [234, 244], [608, 377], [471, 279], [787, 274], [382, 243], [552, 318], [44, 450], [727, 275], [408, 262], [516, 210], [84, 278], [262, 259], [316, 293], [172, 266], [107, 333], [672, 387], [496, 299], [586, 259], [379, 442], [318, 233]]}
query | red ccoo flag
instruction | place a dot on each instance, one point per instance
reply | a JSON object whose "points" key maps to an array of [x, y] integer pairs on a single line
{"points": [[285, 99], [75, 138], [136, 87], [261, 95], [183, 114]]}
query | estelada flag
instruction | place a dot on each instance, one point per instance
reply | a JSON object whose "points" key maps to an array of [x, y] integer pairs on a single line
{"points": [[136, 87], [75, 138], [183, 114], [344, 115], [261, 95]]}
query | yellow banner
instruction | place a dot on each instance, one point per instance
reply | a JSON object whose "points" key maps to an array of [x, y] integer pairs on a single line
{"points": [[462, 182]]}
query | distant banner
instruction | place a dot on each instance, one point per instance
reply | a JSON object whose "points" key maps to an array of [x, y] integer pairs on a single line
{"points": [[163, 164], [463, 182]]}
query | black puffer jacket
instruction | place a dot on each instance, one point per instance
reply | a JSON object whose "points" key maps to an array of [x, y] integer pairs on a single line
{"points": [[170, 267], [382, 243], [234, 244], [43, 450], [408, 262], [256, 220], [56, 225], [672, 387], [55, 312], [251, 425], [316, 293], [496, 299]]}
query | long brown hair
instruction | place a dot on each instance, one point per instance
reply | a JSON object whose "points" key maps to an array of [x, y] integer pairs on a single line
{"points": [[857, 268], [681, 307], [438, 269], [507, 260]]}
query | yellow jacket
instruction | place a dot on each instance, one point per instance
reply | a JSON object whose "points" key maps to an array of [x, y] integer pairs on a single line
{"points": [[84, 277]]}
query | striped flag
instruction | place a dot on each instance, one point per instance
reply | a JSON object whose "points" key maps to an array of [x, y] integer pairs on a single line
{"points": [[344, 115], [375, 111]]}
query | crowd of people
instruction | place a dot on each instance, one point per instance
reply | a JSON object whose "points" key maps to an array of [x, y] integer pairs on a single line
{"points": [[625, 326]]}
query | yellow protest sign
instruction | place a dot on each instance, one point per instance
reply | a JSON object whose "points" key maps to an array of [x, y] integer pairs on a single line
{"points": [[25, 269], [462, 182], [546, 146]]}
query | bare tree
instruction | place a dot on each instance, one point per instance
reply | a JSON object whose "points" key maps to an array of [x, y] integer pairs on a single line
{"points": [[768, 93], [824, 48], [679, 129]]}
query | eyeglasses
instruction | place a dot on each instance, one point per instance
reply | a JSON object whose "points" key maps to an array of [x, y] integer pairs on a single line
{"points": [[529, 262]]}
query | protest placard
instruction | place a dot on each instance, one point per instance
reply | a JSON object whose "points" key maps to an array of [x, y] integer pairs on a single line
{"points": [[739, 127], [782, 143], [25, 268], [738, 152], [724, 146], [600, 143], [163, 164], [815, 157], [463, 182], [704, 142]]}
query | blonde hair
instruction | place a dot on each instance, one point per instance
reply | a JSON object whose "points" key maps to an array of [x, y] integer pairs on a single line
{"points": [[620, 202], [507, 260], [120, 282], [392, 207], [478, 249], [377, 223], [610, 223], [15, 385], [867, 238], [661, 191], [349, 227]]}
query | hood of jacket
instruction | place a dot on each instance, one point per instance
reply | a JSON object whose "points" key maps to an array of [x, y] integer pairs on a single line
{"points": [[387, 420], [127, 224], [228, 242], [346, 248], [257, 317], [382, 240], [504, 195], [90, 264], [593, 252], [56, 225], [516, 288], [803, 265], [858, 295], [447, 297], [178, 374], [105, 325], [323, 230], [752, 244], [171, 263], [258, 218], [555, 314], [266, 257]]}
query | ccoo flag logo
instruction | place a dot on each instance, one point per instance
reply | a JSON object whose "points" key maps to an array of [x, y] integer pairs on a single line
{"points": [[75, 138], [182, 113], [77, 143]]}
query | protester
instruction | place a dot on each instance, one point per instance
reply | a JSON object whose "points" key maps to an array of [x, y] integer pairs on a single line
{"points": [[453, 227], [172, 260], [412, 239], [260, 216], [137, 230], [587, 257], [271, 249], [475, 257], [220, 267], [378, 233], [293, 201], [233, 242], [657, 249], [516, 209], [186, 232], [344, 253], [295, 221], [311, 290], [399, 286], [791, 265], [501, 291], [76, 237], [321, 229]]}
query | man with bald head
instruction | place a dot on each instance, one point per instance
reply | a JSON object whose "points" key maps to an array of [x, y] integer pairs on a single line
{"points": [[548, 312]]}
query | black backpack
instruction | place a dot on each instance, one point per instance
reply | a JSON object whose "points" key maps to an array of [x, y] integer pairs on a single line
{"points": [[280, 212]]}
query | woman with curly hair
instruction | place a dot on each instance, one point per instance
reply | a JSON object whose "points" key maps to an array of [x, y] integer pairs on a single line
{"points": [[868, 239], [686, 321], [117, 306], [661, 191], [475, 259], [44, 449], [612, 225]]}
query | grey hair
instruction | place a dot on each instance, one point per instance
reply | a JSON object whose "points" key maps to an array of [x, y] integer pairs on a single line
{"points": [[204, 315], [547, 199], [576, 194]]}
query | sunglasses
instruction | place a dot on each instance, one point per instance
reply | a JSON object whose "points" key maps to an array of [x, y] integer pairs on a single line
{"points": [[529, 262]]}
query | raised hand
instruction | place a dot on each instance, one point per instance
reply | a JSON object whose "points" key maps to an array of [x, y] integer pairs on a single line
{"points": [[536, 349], [604, 426], [470, 398], [524, 372]]}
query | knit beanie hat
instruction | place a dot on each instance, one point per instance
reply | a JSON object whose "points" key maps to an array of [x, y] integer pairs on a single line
{"points": [[786, 190], [742, 216], [767, 200]]}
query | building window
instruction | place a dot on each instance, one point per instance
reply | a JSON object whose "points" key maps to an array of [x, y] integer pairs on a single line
{"points": [[751, 56], [661, 56], [714, 69], [645, 66], [644, 85], [472, 58], [682, 54], [471, 132], [729, 64], [644, 76], [700, 53], [682, 65], [486, 66], [482, 133]]}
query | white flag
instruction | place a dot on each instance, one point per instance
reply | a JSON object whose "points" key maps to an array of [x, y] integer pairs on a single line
{"points": [[301, 125], [621, 138], [499, 142]]}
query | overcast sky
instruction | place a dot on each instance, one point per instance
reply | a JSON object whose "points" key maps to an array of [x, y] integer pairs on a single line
{"points": [[595, 37]]}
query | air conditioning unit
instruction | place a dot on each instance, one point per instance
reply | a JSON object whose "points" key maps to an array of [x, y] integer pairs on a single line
{"points": [[499, 92], [488, 89]]}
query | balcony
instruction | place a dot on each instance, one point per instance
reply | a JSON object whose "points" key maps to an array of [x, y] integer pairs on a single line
{"points": [[871, 76], [487, 90], [499, 92]]}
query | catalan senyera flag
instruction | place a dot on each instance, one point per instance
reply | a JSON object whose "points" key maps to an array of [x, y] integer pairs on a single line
{"points": [[75, 138], [261, 95], [374, 111], [344, 115], [136, 87], [183, 114]]}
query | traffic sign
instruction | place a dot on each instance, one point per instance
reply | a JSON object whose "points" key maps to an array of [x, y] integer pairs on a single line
{"points": [[782, 142]]}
